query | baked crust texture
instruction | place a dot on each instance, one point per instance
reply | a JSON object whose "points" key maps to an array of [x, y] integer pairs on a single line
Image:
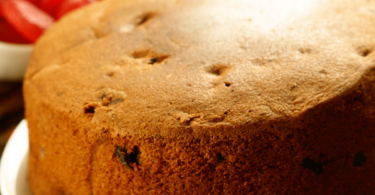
{"points": [[205, 97]]}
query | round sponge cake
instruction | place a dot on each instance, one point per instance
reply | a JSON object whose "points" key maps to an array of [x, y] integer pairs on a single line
{"points": [[205, 97]]}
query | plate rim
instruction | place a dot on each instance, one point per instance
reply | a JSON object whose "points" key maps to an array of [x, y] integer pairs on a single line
{"points": [[14, 152]]}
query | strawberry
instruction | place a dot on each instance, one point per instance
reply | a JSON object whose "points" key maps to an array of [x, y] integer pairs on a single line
{"points": [[26, 18]]}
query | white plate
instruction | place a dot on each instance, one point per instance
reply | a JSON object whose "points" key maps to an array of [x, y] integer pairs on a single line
{"points": [[13, 60], [13, 167]]}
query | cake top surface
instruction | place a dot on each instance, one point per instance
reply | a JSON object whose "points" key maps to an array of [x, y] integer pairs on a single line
{"points": [[172, 67]]}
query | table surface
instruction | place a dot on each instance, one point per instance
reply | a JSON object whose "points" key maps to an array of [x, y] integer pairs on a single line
{"points": [[11, 109]]}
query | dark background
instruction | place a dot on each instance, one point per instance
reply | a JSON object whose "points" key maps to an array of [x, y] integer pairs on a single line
{"points": [[11, 109]]}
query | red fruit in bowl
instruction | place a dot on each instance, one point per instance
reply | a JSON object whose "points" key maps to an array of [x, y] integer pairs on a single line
{"points": [[9, 34], [50, 6], [70, 5], [1, 11], [32, 1], [26, 18]]}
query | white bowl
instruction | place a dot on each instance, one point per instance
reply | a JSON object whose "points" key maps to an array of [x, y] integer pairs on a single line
{"points": [[13, 167], [13, 60]]}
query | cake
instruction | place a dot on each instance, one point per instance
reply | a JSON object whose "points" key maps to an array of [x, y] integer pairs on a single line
{"points": [[204, 97]]}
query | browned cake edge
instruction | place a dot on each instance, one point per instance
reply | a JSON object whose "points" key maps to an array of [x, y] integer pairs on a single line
{"points": [[327, 150]]}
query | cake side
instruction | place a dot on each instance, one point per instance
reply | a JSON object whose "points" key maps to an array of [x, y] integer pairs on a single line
{"points": [[306, 155]]}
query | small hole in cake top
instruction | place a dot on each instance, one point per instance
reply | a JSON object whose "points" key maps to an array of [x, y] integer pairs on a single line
{"points": [[149, 57], [364, 52], [227, 84], [215, 71], [218, 70], [89, 110], [220, 158], [359, 159], [157, 59], [316, 167], [144, 18]]}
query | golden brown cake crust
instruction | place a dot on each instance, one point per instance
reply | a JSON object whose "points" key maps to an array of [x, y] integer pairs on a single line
{"points": [[270, 97]]}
